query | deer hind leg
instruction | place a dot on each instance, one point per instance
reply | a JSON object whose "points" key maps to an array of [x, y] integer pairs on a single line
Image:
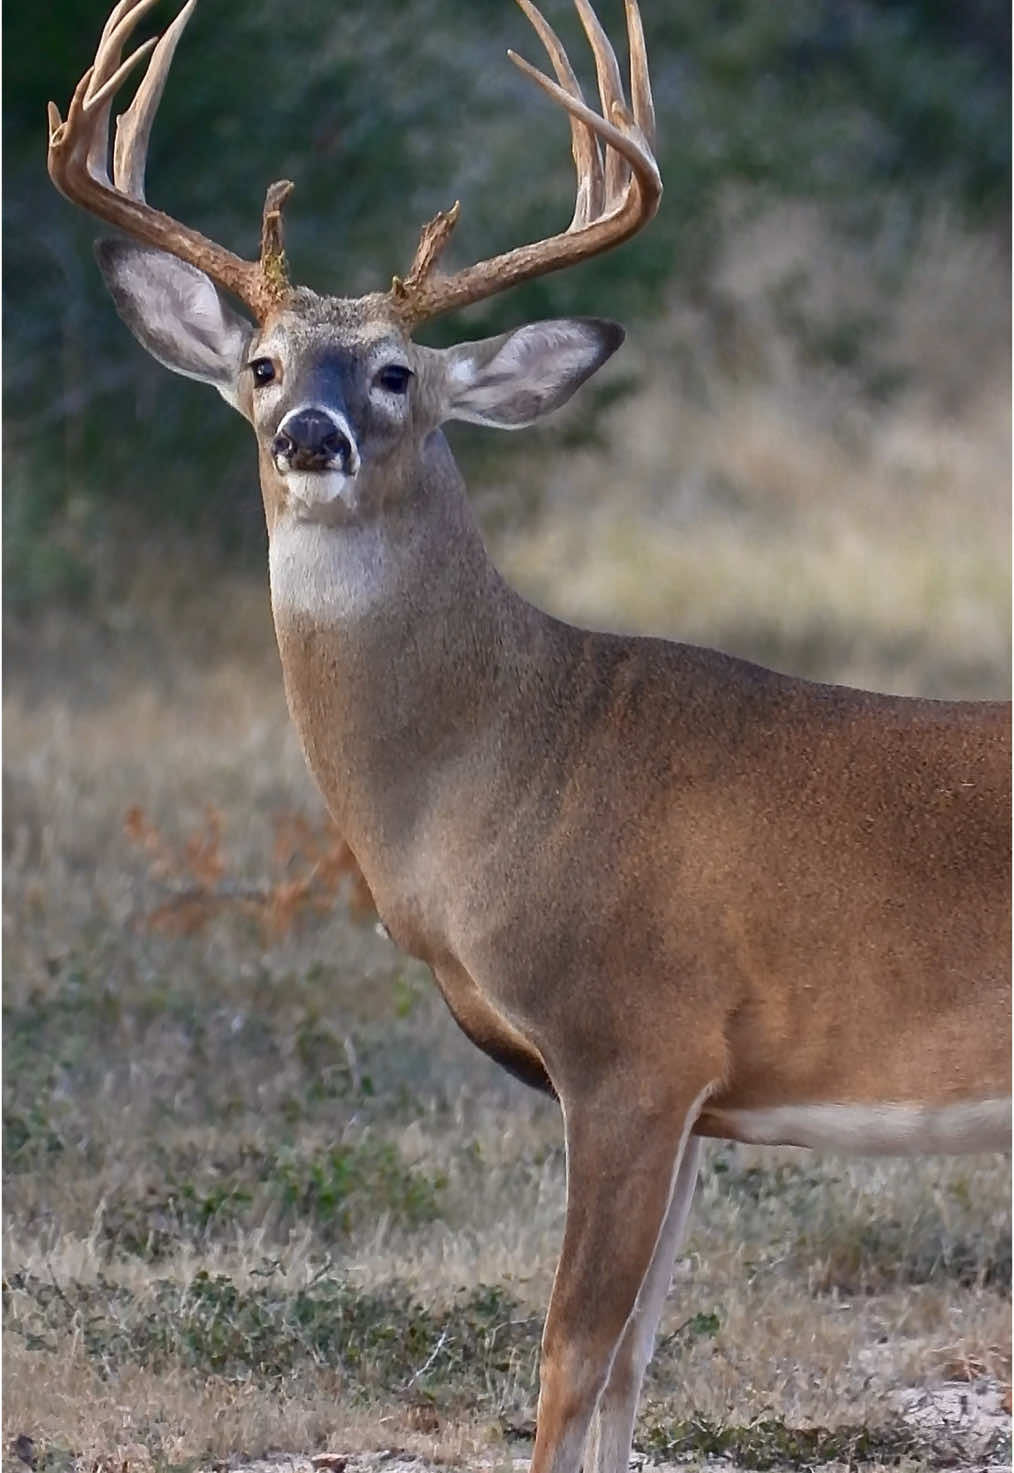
{"points": [[613, 1423], [623, 1159]]}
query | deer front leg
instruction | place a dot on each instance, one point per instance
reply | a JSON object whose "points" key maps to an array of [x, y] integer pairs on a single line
{"points": [[613, 1424], [623, 1164]]}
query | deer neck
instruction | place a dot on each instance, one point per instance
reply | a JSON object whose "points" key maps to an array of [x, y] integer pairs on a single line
{"points": [[401, 648]]}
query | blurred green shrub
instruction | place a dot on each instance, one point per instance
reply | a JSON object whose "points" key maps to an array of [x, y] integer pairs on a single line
{"points": [[383, 113]]}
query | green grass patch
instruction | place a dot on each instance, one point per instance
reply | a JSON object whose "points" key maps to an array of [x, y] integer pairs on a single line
{"points": [[482, 1351], [771, 1444], [333, 1191]]}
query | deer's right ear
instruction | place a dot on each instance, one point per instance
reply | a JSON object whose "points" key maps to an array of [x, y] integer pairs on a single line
{"points": [[176, 313]]}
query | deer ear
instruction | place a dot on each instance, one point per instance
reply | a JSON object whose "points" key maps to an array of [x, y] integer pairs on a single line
{"points": [[514, 379], [176, 313]]}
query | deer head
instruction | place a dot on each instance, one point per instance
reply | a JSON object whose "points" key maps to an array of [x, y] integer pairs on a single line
{"points": [[340, 397]]}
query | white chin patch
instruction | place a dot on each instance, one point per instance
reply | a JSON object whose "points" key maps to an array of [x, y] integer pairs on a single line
{"points": [[314, 492]]}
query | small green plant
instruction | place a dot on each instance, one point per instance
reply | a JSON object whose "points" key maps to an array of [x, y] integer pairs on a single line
{"points": [[28, 1137], [772, 1444], [339, 1186], [332, 1191]]}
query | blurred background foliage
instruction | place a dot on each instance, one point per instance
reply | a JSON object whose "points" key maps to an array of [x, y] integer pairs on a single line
{"points": [[383, 113]]}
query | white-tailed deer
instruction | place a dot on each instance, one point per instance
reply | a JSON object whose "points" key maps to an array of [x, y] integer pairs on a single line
{"points": [[689, 896]]}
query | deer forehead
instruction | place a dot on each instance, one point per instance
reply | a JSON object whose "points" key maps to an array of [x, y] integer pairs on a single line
{"points": [[309, 326]]}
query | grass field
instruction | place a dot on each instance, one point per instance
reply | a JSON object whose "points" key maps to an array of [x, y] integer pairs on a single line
{"points": [[260, 1194]]}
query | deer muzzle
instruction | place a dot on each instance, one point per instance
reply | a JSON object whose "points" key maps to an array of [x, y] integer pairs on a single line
{"points": [[316, 455], [313, 439]]}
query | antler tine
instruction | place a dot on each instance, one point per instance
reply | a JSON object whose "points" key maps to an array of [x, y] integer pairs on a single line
{"points": [[108, 74], [102, 96], [584, 145], [617, 206], [607, 70], [133, 128], [118, 28], [79, 163], [640, 81], [620, 135], [119, 10]]}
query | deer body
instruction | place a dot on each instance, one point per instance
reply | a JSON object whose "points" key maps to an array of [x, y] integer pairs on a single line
{"points": [[481, 756], [687, 895]]}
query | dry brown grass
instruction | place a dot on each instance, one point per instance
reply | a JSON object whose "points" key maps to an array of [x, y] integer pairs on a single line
{"points": [[758, 497], [776, 509]]}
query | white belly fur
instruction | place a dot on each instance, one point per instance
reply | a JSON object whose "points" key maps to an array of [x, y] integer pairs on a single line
{"points": [[891, 1130]]}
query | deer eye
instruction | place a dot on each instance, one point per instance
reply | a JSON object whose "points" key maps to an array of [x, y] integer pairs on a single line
{"points": [[393, 377], [263, 370]]}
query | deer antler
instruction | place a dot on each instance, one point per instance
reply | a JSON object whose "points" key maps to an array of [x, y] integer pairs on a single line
{"points": [[615, 196], [618, 183], [79, 163]]}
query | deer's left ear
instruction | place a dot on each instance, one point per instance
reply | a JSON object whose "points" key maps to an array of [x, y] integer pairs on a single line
{"points": [[512, 380]]}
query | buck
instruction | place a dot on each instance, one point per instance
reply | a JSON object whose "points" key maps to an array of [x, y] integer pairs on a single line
{"points": [[688, 896]]}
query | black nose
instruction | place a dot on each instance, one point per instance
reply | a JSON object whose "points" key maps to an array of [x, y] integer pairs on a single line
{"points": [[312, 441]]}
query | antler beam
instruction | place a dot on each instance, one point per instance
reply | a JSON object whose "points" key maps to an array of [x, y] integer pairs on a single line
{"points": [[616, 194], [79, 163]]}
